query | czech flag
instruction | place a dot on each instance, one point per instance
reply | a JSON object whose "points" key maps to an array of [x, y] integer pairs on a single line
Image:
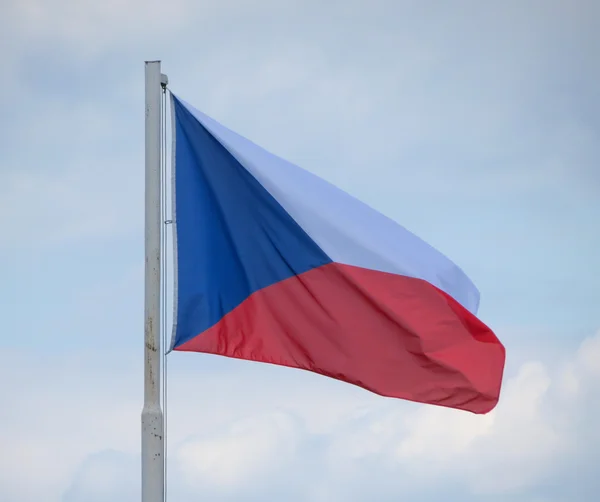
{"points": [[276, 265]]}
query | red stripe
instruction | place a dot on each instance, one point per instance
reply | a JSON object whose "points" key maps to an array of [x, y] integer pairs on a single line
{"points": [[393, 335]]}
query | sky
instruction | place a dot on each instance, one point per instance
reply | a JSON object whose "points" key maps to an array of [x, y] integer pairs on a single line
{"points": [[474, 124]]}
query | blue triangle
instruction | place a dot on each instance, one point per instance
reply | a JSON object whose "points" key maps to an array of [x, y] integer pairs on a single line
{"points": [[233, 237]]}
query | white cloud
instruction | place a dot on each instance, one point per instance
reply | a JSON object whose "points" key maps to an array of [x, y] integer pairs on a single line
{"points": [[347, 93], [464, 101], [252, 451], [386, 449], [243, 431]]}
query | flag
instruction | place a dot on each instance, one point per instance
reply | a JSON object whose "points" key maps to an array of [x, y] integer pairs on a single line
{"points": [[276, 265]]}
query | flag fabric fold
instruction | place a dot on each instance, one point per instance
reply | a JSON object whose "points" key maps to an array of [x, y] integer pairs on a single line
{"points": [[276, 265]]}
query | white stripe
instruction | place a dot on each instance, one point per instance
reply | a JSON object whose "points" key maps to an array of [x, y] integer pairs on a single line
{"points": [[346, 229]]}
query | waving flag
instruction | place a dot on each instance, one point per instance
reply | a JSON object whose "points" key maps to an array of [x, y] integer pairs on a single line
{"points": [[277, 265]]}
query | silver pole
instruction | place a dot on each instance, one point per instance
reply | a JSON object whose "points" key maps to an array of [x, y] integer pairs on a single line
{"points": [[152, 416]]}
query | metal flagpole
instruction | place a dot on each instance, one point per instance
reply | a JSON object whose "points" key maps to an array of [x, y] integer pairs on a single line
{"points": [[153, 460]]}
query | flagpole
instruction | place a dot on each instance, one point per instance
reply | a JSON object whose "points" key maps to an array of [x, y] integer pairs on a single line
{"points": [[152, 416]]}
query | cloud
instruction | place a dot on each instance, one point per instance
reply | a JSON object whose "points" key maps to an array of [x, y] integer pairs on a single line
{"points": [[260, 433], [251, 458], [474, 125], [397, 92], [384, 450]]}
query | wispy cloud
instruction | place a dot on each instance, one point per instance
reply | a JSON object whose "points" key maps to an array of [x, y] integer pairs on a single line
{"points": [[262, 431], [474, 125]]}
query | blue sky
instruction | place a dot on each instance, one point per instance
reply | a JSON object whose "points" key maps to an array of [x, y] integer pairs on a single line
{"points": [[475, 125]]}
